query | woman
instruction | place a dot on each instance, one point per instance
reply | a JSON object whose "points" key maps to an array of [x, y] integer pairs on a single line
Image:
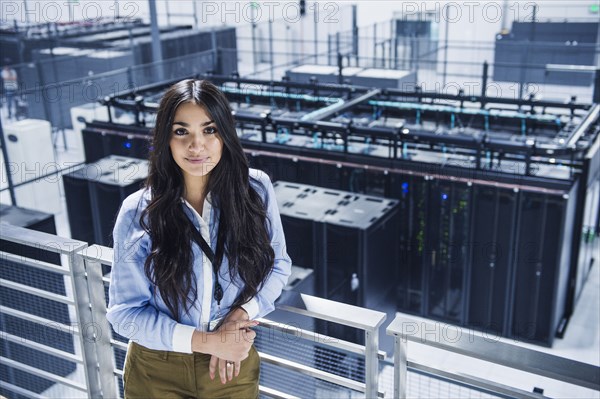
{"points": [[187, 306]]}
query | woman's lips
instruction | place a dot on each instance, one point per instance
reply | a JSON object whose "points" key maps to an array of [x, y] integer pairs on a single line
{"points": [[197, 160]]}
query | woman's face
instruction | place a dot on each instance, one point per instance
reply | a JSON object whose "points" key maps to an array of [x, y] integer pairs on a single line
{"points": [[195, 143]]}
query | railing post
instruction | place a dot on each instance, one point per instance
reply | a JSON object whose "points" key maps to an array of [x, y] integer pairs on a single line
{"points": [[84, 321], [372, 363], [106, 365], [400, 367]]}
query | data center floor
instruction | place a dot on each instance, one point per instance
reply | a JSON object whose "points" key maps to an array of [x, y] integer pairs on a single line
{"points": [[581, 341]]}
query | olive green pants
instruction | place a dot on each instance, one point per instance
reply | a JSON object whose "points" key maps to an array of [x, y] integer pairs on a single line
{"points": [[161, 374]]}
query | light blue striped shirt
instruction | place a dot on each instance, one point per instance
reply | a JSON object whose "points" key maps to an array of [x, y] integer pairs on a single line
{"points": [[136, 313]]}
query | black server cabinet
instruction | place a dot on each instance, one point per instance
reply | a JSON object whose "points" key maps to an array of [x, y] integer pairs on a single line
{"points": [[126, 146], [109, 181], [33, 220], [269, 165], [494, 214], [359, 256], [366, 181], [412, 194], [301, 206], [447, 241], [333, 176], [95, 145], [359, 238], [288, 170], [541, 266], [100, 144], [58, 312], [348, 239], [77, 197], [342, 236], [327, 175]]}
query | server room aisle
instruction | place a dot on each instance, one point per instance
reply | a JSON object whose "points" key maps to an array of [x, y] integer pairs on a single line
{"points": [[581, 341]]}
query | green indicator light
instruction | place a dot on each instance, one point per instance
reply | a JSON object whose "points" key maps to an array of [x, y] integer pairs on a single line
{"points": [[594, 8]]}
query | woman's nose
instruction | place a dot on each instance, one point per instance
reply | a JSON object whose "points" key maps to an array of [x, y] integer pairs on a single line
{"points": [[197, 141]]}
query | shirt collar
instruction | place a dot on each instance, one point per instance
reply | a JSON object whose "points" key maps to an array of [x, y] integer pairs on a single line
{"points": [[206, 208]]}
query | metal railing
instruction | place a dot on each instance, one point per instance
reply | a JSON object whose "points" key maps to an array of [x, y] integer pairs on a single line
{"points": [[99, 344], [477, 345], [68, 322], [367, 320], [100, 352]]}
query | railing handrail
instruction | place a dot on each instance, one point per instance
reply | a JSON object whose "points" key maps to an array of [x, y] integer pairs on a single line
{"points": [[325, 309], [40, 240], [477, 345]]}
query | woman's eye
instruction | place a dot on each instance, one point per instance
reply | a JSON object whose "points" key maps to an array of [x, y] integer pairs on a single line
{"points": [[210, 130], [180, 132]]}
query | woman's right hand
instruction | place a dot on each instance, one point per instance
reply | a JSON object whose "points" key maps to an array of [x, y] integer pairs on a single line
{"points": [[231, 341]]}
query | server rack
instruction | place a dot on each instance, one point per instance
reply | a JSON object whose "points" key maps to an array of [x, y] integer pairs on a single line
{"points": [[492, 255], [179, 43], [108, 182], [540, 275], [105, 141], [412, 193], [86, 113], [79, 208], [418, 41], [62, 55], [340, 235], [415, 147], [349, 241], [447, 242], [20, 41]]}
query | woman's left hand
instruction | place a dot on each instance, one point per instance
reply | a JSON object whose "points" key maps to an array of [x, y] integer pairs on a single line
{"points": [[227, 370]]}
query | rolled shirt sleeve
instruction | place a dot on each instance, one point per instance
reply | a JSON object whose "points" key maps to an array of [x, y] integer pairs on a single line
{"points": [[130, 310]]}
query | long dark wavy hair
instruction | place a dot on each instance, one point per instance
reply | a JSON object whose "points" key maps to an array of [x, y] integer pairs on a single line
{"points": [[243, 224]]}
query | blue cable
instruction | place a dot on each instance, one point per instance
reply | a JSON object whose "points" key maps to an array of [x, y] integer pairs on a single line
{"points": [[315, 139]]}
